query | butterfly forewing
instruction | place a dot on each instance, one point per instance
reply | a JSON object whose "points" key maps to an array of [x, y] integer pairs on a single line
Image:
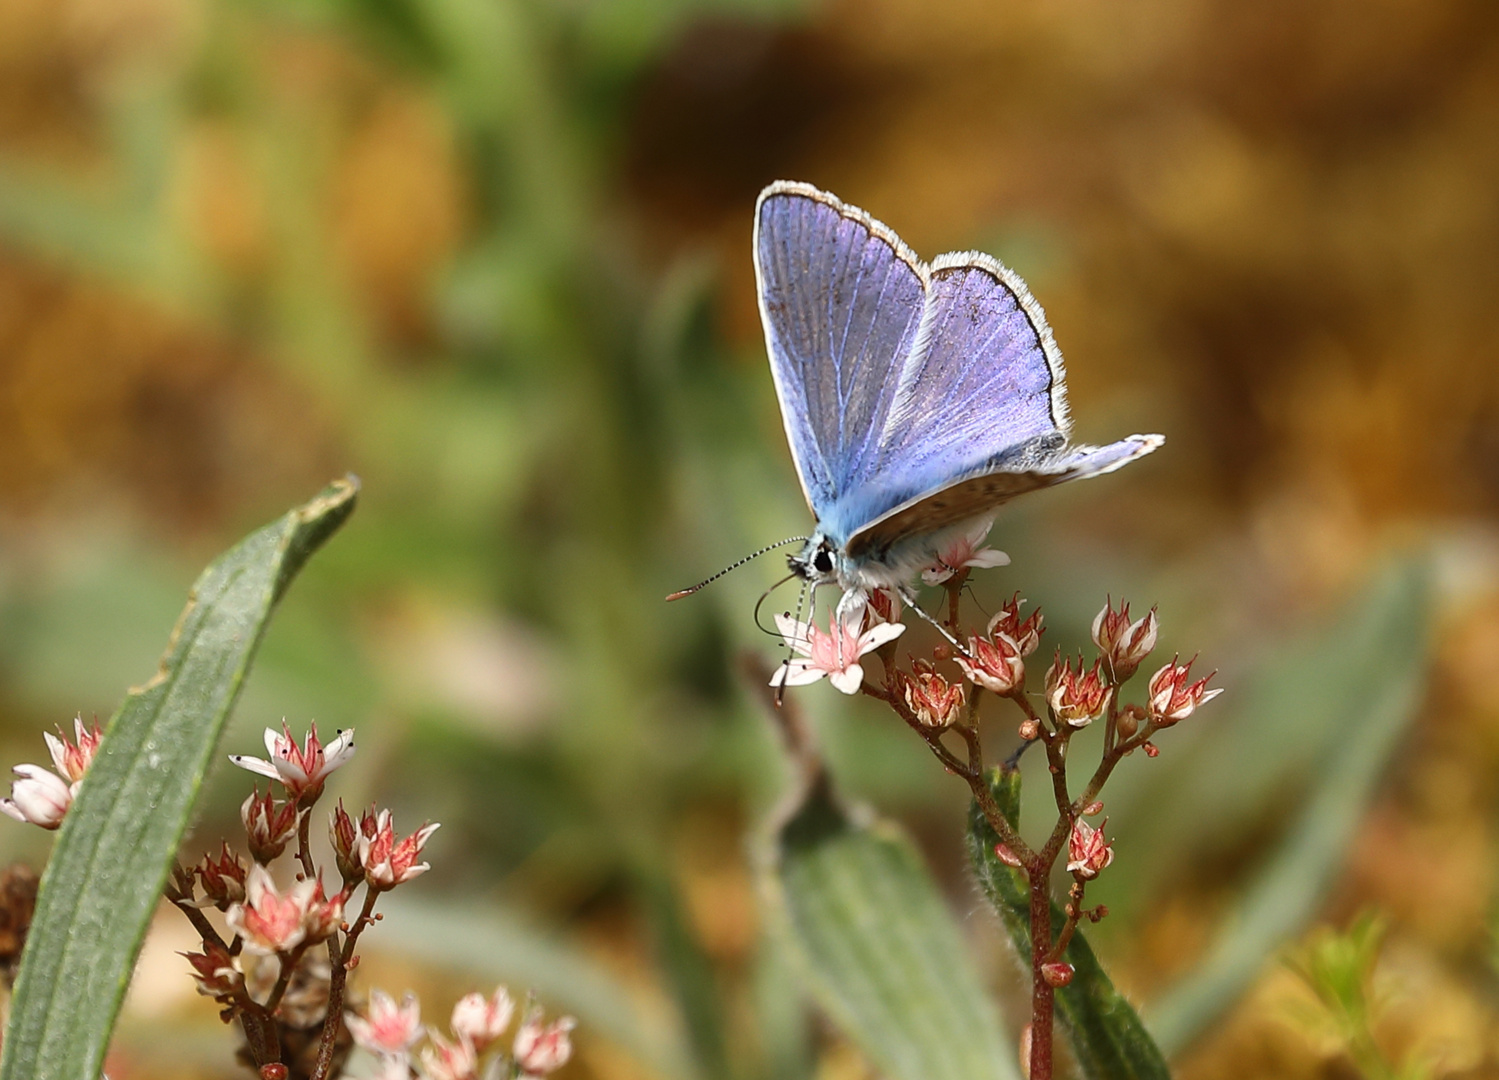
{"points": [[980, 389], [841, 298]]}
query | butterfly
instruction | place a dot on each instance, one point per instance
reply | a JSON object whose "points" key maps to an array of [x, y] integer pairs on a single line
{"points": [[917, 397]]}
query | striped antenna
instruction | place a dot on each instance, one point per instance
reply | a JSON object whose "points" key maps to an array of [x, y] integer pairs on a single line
{"points": [[736, 566]]}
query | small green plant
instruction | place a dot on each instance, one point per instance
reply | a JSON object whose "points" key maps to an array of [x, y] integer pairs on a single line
{"points": [[1339, 969]]}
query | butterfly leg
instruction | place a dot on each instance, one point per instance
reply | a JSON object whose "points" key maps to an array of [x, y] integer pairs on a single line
{"points": [[909, 596]]}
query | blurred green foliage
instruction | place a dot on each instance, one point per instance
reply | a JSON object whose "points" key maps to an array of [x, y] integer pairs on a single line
{"points": [[492, 256]]}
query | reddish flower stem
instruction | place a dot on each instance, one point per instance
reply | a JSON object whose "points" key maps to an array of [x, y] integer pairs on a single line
{"points": [[1042, 995], [341, 960]]}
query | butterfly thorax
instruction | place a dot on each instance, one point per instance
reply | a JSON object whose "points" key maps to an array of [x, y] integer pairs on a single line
{"points": [[824, 560]]}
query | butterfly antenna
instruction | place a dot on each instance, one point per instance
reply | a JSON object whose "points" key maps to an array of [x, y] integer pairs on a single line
{"points": [[736, 566], [801, 602]]}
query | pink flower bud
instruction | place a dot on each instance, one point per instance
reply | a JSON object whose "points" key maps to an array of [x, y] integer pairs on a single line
{"points": [[483, 1020], [443, 1060], [1092, 808], [994, 663], [223, 879], [543, 1048], [1173, 698], [214, 970], [269, 825], [343, 834], [1088, 852], [1030, 730], [39, 797], [1076, 697], [387, 1028], [72, 760], [1123, 644], [387, 862], [932, 699], [1025, 633]]}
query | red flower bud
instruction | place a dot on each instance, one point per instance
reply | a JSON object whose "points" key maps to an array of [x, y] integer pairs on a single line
{"points": [[1057, 974], [1076, 697]]}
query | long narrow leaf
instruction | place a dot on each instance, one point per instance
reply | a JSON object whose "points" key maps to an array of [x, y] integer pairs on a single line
{"points": [[883, 955], [1381, 686], [1106, 1034], [121, 834]]}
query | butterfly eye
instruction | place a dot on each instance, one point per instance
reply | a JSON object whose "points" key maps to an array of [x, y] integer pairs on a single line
{"points": [[822, 562]]}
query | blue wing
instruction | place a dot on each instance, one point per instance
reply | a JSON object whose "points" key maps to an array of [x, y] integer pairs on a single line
{"points": [[841, 299], [914, 397], [966, 497]]}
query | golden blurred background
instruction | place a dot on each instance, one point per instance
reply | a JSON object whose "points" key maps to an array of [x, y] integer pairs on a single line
{"points": [[493, 257]]}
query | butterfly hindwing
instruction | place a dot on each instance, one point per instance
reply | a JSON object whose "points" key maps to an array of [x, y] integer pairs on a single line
{"points": [[971, 496]]}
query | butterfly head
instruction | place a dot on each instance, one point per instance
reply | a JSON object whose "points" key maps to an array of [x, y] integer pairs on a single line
{"points": [[818, 561]]}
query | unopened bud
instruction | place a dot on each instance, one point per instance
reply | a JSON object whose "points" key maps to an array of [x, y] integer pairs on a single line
{"points": [[934, 701], [1076, 697], [943, 651], [1006, 856], [1058, 974], [1093, 808], [1030, 730], [273, 1071], [1128, 722], [1151, 749], [1123, 644]]}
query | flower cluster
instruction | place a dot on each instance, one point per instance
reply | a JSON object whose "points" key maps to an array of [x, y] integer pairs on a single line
{"points": [[471, 1049], [940, 696], [281, 969]]}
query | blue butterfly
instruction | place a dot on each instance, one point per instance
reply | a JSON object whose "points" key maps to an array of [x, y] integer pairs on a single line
{"points": [[917, 398]]}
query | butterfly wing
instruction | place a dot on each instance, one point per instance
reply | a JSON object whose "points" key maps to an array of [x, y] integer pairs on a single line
{"points": [[982, 389], [968, 497], [841, 299], [914, 397]]}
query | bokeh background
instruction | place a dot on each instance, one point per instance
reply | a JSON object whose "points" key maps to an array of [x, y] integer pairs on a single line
{"points": [[493, 257]]}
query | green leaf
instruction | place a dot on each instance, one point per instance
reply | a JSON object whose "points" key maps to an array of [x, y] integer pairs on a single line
{"points": [[1377, 689], [882, 953], [117, 843], [1107, 1036]]}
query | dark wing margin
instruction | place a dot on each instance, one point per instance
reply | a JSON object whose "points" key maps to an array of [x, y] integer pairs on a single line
{"points": [[973, 496], [841, 300]]}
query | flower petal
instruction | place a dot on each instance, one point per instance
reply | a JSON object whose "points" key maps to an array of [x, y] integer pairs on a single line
{"points": [[796, 673], [849, 679], [878, 635], [256, 765], [988, 557], [797, 635]]}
